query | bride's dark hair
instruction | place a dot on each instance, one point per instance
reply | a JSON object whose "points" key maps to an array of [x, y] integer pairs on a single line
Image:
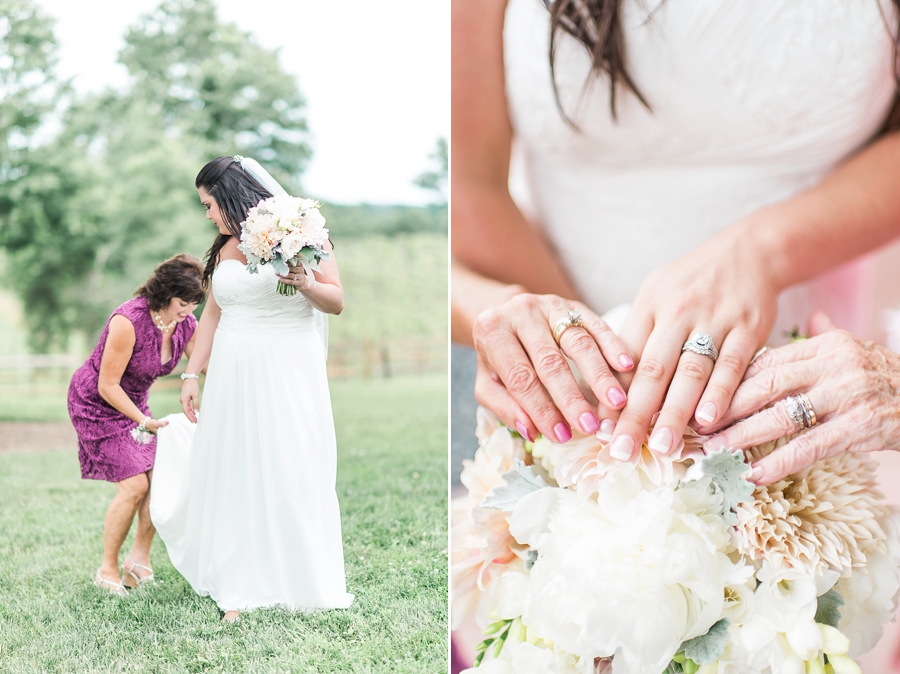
{"points": [[235, 192], [597, 25]]}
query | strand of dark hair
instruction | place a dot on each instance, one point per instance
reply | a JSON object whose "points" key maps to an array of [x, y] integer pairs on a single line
{"points": [[597, 25], [235, 192]]}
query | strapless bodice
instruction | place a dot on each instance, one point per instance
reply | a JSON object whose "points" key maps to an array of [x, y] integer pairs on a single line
{"points": [[251, 302]]}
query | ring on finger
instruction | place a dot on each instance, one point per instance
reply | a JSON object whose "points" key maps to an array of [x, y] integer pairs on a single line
{"points": [[703, 344], [801, 411], [570, 320]]}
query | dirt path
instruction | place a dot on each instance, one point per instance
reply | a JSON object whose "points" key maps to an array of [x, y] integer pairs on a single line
{"points": [[21, 436]]}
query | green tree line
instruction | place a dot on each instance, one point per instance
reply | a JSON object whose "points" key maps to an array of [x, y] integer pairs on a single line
{"points": [[96, 189]]}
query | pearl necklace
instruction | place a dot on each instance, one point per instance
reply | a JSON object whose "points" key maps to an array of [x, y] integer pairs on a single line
{"points": [[162, 326]]}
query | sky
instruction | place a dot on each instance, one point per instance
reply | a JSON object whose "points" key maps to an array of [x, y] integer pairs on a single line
{"points": [[376, 77]]}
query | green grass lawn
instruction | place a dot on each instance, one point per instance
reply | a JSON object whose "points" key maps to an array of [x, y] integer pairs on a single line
{"points": [[392, 477]]}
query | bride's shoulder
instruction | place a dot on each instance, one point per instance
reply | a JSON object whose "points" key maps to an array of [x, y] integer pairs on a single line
{"points": [[230, 251]]}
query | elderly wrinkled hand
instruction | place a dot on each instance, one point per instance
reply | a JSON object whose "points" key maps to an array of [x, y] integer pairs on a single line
{"points": [[853, 386], [523, 376]]}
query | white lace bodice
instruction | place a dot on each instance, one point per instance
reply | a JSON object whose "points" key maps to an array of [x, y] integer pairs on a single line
{"points": [[251, 303], [752, 102]]}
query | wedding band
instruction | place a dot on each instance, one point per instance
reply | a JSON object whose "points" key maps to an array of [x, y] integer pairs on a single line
{"points": [[801, 411], [570, 320], [295, 277], [701, 343]]}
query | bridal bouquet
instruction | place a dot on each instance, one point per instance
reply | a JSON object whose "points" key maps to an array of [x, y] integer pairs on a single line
{"points": [[284, 230], [574, 562]]}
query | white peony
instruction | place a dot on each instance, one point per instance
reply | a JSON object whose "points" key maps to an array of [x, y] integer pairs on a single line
{"points": [[633, 574]]}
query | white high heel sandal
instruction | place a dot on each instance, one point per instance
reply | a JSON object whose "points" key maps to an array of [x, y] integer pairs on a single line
{"points": [[113, 588], [135, 581]]}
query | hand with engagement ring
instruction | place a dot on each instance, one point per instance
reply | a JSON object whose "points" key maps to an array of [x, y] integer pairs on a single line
{"points": [[524, 378], [299, 278], [841, 389], [695, 325]]}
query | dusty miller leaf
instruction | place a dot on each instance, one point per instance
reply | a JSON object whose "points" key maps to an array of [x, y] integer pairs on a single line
{"points": [[727, 468], [706, 649], [518, 482], [828, 611]]}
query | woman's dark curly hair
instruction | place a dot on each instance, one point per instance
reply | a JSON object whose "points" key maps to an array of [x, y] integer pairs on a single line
{"points": [[235, 192], [180, 276]]}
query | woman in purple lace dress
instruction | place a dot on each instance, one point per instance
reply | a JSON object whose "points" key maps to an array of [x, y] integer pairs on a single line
{"points": [[144, 339]]}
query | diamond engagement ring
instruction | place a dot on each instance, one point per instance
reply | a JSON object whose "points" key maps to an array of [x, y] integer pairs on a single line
{"points": [[701, 343], [570, 320], [801, 411]]}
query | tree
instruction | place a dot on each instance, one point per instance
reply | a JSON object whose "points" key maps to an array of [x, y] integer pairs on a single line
{"points": [[436, 180], [96, 206], [27, 86], [213, 83]]}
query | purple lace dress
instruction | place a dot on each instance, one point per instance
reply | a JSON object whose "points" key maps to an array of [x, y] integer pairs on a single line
{"points": [[106, 449]]}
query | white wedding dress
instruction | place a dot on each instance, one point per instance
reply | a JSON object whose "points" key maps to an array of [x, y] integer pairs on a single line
{"points": [[245, 500], [752, 102]]}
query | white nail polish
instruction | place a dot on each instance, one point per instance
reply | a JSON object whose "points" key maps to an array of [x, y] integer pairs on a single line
{"points": [[707, 412], [622, 448], [607, 428], [661, 441]]}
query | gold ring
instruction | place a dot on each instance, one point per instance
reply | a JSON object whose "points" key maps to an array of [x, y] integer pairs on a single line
{"points": [[801, 411], [570, 320]]}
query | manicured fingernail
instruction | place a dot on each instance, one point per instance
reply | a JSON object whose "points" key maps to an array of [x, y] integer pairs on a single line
{"points": [[563, 434], [758, 474], [622, 448], [607, 428], [707, 412], [616, 396], [523, 431], [625, 361], [589, 423], [661, 441]]}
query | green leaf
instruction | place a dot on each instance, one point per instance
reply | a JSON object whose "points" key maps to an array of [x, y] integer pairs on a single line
{"points": [[829, 608], [280, 265], [518, 482], [706, 649], [727, 468]]}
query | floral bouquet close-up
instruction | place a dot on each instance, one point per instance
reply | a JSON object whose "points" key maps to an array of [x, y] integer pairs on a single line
{"points": [[284, 230], [575, 562]]}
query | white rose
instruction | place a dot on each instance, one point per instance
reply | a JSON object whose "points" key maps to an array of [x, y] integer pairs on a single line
{"points": [[291, 244]]}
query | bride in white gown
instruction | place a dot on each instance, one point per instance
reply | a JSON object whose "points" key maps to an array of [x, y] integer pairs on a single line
{"points": [[246, 505]]}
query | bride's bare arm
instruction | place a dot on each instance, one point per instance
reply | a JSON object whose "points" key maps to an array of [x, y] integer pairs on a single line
{"points": [[729, 286], [508, 286], [323, 289], [490, 235], [199, 359]]}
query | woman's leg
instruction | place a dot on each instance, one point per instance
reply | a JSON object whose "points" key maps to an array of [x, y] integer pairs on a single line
{"points": [[130, 492], [143, 539]]}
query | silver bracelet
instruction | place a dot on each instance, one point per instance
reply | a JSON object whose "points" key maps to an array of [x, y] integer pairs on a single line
{"points": [[185, 375], [140, 433]]}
